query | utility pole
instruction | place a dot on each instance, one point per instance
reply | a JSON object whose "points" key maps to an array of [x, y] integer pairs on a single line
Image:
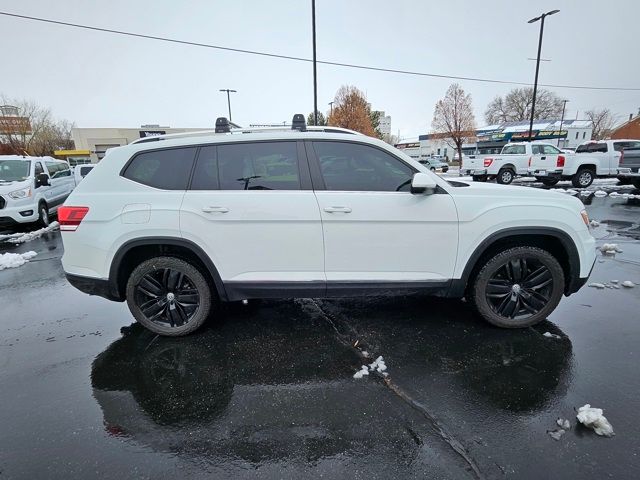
{"points": [[564, 105], [228, 98], [535, 82], [315, 73]]}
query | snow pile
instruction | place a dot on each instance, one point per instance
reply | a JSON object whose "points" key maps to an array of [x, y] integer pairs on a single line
{"points": [[563, 423], [13, 260], [593, 418], [27, 237], [610, 248], [597, 285], [594, 223], [378, 365], [628, 284], [556, 434], [600, 193], [585, 193], [551, 335]]}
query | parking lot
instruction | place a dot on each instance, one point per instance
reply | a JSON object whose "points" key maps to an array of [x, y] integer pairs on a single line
{"points": [[266, 390]]}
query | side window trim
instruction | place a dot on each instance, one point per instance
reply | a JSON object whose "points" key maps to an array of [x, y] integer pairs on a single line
{"points": [[314, 163]]}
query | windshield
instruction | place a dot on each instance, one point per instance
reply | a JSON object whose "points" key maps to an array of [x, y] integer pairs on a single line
{"points": [[14, 170]]}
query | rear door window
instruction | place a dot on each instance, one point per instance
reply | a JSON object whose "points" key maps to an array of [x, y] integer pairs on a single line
{"points": [[595, 147], [514, 149], [164, 169], [550, 150], [256, 166]]}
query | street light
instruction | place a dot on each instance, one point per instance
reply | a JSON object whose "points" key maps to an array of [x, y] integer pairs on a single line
{"points": [[331, 107], [564, 105], [315, 74], [535, 82], [228, 98]]}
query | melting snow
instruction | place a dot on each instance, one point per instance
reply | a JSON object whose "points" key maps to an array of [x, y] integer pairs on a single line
{"points": [[551, 335], [563, 423], [593, 418], [556, 434], [610, 248], [595, 223], [600, 193], [628, 284], [27, 237], [13, 260], [597, 285], [378, 365]]}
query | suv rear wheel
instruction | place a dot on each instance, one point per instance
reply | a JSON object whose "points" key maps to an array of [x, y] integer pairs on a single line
{"points": [[518, 287], [169, 296]]}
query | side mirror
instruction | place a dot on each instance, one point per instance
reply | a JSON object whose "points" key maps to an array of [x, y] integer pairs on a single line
{"points": [[423, 183], [42, 180]]}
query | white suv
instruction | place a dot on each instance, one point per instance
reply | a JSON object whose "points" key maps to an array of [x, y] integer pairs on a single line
{"points": [[175, 224]]}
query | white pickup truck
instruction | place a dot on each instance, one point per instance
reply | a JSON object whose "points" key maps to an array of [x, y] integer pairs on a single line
{"points": [[592, 159], [513, 160]]}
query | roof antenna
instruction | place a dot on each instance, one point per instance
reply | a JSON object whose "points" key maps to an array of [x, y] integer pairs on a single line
{"points": [[222, 125], [298, 122]]}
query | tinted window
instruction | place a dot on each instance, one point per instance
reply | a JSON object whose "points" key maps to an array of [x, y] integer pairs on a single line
{"points": [[592, 147], [514, 149], [619, 146], [164, 169], [84, 171], [536, 149], [353, 167], [205, 176], [258, 166]]}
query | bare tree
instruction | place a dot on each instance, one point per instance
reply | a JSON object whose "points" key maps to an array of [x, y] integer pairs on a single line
{"points": [[33, 130], [603, 121], [351, 110], [516, 106], [453, 117]]}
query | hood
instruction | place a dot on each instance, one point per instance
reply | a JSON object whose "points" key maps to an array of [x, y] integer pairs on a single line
{"points": [[13, 186]]}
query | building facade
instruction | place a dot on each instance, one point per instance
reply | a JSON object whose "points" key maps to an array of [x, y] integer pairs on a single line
{"points": [[384, 125], [629, 129], [92, 143]]}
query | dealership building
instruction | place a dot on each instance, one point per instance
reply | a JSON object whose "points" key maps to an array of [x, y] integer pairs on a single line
{"points": [[91, 144]]}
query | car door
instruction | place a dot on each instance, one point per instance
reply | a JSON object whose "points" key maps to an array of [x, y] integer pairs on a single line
{"points": [[375, 230], [66, 181], [52, 192], [252, 208]]}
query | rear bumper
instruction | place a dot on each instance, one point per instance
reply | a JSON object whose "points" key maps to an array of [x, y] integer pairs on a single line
{"points": [[94, 286], [629, 172], [539, 172], [472, 171]]}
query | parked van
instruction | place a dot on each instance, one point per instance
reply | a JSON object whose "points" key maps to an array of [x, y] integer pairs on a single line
{"points": [[32, 188], [81, 171]]}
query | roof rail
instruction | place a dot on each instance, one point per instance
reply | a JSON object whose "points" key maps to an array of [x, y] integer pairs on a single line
{"points": [[224, 129]]}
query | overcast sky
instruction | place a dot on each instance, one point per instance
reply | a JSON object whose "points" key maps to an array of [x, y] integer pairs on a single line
{"points": [[103, 80]]}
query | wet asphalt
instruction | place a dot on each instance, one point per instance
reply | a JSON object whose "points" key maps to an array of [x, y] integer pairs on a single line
{"points": [[267, 390]]}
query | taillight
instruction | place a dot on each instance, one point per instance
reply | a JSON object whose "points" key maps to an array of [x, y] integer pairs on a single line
{"points": [[488, 161], [529, 161], [70, 217], [560, 161]]}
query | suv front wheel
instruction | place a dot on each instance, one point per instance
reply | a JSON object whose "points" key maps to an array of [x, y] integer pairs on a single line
{"points": [[169, 296], [518, 287]]}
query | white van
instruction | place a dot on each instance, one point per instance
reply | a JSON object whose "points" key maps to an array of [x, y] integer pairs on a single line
{"points": [[32, 188], [81, 171]]}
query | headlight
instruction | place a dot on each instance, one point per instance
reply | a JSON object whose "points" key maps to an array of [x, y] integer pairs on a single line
{"points": [[585, 218], [23, 193]]}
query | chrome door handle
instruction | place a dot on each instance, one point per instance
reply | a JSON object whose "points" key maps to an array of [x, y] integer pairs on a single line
{"points": [[215, 209], [337, 210]]}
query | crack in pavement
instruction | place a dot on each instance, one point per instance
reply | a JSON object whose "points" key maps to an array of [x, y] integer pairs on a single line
{"points": [[456, 445]]}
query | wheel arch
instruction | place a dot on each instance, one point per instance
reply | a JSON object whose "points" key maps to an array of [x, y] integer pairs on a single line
{"points": [[554, 240], [587, 166], [133, 252]]}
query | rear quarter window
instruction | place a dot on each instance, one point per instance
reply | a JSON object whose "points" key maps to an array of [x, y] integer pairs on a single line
{"points": [[164, 169], [596, 147]]}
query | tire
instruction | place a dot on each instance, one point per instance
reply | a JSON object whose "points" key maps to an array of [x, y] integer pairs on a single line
{"points": [[505, 176], [499, 292], [549, 182], [157, 284], [433, 169], [636, 183], [445, 169], [43, 215], [479, 178], [583, 178]]}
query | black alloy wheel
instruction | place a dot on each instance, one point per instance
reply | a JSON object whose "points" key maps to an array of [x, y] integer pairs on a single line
{"points": [[169, 296], [518, 287]]}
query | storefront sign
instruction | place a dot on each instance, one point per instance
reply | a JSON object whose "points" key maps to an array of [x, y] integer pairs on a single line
{"points": [[151, 133]]}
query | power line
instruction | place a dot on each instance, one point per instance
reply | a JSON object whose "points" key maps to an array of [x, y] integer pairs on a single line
{"points": [[302, 59]]}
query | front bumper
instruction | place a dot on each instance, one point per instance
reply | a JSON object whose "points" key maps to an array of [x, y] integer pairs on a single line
{"points": [[23, 212], [577, 283]]}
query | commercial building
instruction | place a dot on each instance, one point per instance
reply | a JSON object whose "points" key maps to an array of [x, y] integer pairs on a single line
{"points": [[92, 143], [384, 123]]}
